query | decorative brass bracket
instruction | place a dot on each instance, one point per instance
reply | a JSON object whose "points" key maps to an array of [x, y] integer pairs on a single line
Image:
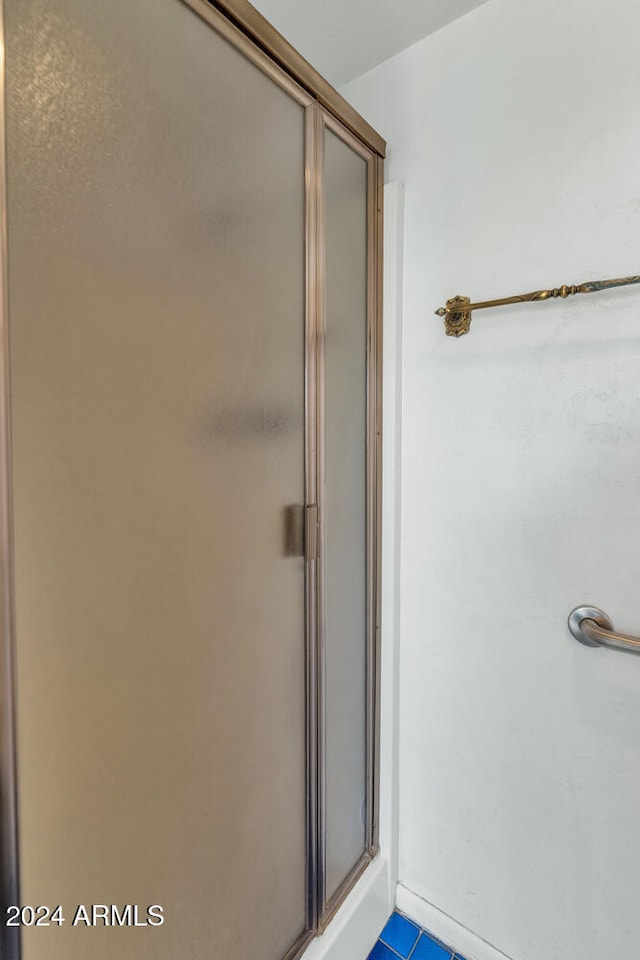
{"points": [[457, 316], [457, 312]]}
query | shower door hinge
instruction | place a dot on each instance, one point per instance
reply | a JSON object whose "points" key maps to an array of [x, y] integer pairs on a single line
{"points": [[311, 531]]}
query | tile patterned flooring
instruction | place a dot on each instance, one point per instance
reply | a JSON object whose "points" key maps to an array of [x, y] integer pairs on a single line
{"points": [[404, 939]]}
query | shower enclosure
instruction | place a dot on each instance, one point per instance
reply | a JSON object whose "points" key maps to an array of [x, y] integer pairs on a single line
{"points": [[190, 485]]}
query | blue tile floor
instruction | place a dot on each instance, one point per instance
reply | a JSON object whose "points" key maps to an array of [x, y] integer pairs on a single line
{"points": [[403, 938]]}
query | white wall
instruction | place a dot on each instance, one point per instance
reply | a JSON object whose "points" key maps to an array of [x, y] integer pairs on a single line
{"points": [[516, 132]]}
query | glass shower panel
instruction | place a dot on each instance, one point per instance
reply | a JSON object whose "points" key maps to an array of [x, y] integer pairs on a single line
{"points": [[345, 508], [156, 273]]}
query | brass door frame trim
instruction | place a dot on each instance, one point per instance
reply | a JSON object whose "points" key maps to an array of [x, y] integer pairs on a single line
{"points": [[331, 122], [311, 497], [375, 438], [320, 306], [254, 25], [9, 860], [301, 944]]}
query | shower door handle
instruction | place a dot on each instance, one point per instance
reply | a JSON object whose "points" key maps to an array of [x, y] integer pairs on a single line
{"points": [[592, 626], [300, 531]]}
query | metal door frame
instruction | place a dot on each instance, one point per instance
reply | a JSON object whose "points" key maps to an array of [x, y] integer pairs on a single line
{"points": [[9, 855], [327, 907]]}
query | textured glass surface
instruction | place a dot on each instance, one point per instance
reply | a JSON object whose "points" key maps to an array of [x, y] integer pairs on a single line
{"points": [[156, 227], [345, 506]]}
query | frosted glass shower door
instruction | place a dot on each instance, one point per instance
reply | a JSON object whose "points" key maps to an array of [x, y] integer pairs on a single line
{"points": [[156, 226], [348, 498]]}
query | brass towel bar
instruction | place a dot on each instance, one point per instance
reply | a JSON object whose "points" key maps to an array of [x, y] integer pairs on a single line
{"points": [[457, 312]]}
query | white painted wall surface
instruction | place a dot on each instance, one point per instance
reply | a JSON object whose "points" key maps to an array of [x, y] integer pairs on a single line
{"points": [[342, 40], [516, 132]]}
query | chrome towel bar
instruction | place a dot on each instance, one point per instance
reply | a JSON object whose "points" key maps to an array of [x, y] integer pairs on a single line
{"points": [[592, 626]]}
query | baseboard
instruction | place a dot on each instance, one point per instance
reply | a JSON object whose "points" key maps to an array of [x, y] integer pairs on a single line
{"points": [[445, 928]]}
